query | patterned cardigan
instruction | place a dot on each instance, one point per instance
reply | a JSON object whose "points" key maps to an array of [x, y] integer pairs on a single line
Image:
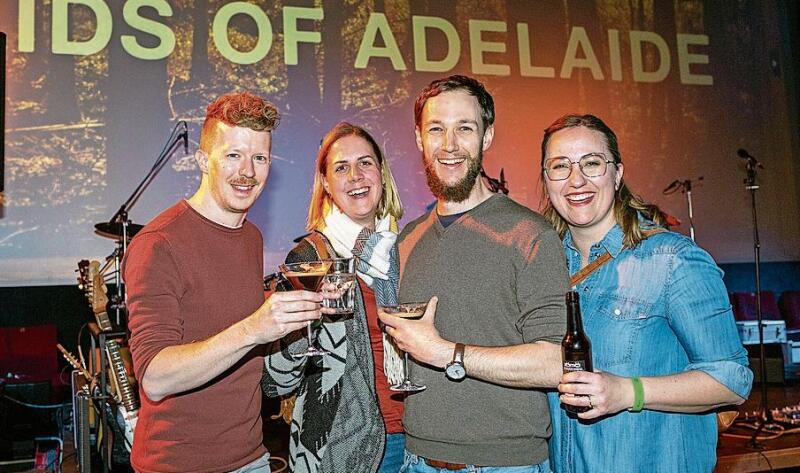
{"points": [[336, 424]]}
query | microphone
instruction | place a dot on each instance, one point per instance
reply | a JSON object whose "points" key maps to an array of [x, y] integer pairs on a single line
{"points": [[185, 139], [674, 184], [745, 155]]}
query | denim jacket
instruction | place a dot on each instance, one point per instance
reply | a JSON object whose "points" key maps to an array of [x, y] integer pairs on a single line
{"points": [[657, 309]]}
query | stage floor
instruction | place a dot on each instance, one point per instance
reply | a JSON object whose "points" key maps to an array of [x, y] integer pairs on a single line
{"points": [[779, 453]]}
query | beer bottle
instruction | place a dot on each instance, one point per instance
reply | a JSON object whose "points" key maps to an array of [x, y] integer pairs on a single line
{"points": [[576, 349]]}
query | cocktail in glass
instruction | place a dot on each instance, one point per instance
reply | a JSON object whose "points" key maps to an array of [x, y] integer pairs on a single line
{"points": [[308, 276], [411, 311]]}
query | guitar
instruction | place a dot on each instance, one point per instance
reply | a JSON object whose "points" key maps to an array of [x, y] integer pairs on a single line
{"points": [[74, 362], [91, 281]]}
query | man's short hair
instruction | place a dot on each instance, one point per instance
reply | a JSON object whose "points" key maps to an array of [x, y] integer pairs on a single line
{"points": [[239, 109], [457, 82]]}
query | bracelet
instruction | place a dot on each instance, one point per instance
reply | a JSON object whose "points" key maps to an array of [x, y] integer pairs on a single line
{"points": [[638, 395]]}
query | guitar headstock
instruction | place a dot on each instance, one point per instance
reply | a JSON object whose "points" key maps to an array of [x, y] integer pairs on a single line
{"points": [[91, 281], [98, 292], [83, 278], [74, 361]]}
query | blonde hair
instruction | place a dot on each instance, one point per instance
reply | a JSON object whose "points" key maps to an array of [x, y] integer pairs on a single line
{"points": [[321, 202], [627, 205]]}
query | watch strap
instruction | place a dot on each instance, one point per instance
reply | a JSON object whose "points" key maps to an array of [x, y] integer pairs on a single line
{"points": [[458, 353]]}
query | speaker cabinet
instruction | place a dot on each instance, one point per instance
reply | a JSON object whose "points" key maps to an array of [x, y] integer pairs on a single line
{"points": [[82, 419], [19, 425], [773, 360]]}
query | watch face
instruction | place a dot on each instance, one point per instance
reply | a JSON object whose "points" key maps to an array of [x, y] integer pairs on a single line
{"points": [[455, 371]]}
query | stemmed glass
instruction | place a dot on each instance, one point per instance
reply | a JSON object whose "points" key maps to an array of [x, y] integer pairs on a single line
{"points": [[411, 311], [308, 276]]}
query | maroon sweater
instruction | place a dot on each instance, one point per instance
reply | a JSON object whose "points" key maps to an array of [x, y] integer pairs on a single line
{"points": [[187, 279]]}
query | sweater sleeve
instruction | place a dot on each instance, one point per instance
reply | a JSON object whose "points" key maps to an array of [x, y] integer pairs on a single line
{"points": [[541, 284], [154, 289]]}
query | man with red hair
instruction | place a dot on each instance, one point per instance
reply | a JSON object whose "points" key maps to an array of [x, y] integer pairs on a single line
{"points": [[198, 319]]}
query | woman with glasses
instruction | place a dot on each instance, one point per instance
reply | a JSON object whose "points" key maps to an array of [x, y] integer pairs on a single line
{"points": [[345, 419], [665, 347]]}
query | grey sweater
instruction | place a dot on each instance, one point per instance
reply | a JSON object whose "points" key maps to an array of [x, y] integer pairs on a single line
{"points": [[500, 276]]}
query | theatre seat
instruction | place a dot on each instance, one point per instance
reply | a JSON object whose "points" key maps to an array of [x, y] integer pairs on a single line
{"points": [[744, 306], [789, 305], [29, 355]]}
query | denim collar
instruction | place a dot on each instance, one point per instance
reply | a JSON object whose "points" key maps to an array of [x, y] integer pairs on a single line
{"points": [[611, 242]]}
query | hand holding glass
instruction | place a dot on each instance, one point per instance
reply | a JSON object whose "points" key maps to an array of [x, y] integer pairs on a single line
{"points": [[308, 276], [411, 311]]}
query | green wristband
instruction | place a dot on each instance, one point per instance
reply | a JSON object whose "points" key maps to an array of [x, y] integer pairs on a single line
{"points": [[638, 395]]}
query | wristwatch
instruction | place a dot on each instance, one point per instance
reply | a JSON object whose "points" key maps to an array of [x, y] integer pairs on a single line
{"points": [[455, 369]]}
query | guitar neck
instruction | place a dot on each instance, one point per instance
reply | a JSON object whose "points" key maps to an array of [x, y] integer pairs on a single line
{"points": [[127, 394], [103, 321]]}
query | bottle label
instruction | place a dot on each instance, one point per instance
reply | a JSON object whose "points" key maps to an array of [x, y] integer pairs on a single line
{"points": [[577, 365]]}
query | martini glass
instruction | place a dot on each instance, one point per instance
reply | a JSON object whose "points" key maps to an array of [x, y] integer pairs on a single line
{"points": [[308, 276], [411, 311]]}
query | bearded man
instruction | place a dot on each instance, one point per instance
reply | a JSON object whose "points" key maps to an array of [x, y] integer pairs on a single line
{"points": [[496, 271]]}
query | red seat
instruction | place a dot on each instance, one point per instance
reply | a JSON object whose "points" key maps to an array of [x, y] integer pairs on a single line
{"points": [[29, 355], [789, 305], [744, 306]]}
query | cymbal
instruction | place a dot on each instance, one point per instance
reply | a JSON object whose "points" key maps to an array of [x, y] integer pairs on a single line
{"points": [[114, 230]]}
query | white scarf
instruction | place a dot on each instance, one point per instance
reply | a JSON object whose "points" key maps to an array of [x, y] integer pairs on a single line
{"points": [[343, 234], [374, 260]]}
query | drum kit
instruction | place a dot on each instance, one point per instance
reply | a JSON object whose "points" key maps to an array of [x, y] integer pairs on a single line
{"points": [[121, 233]]}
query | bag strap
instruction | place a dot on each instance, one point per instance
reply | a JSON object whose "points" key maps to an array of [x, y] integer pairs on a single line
{"points": [[648, 233], [320, 244], [589, 269], [584, 272]]}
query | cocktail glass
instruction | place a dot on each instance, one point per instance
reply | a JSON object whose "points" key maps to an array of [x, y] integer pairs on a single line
{"points": [[308, 276], [412, 311]]}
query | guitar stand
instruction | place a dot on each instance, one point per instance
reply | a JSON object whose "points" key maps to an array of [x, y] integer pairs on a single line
{"points": [[104, 393]]}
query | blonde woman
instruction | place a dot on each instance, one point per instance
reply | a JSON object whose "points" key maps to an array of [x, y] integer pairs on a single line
{"points": [[345, 417]]}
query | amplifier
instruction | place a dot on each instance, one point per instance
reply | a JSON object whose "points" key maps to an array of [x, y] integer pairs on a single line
{"points": [[83, 419], [19, 425], [773, 359]]}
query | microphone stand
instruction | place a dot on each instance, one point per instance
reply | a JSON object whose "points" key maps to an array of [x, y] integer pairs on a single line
{"points": [[686, 188], [765, 417], [121, 216]]}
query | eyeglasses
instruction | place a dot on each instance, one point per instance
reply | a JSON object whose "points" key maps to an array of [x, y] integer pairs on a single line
{"points": [[591, 165]]}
